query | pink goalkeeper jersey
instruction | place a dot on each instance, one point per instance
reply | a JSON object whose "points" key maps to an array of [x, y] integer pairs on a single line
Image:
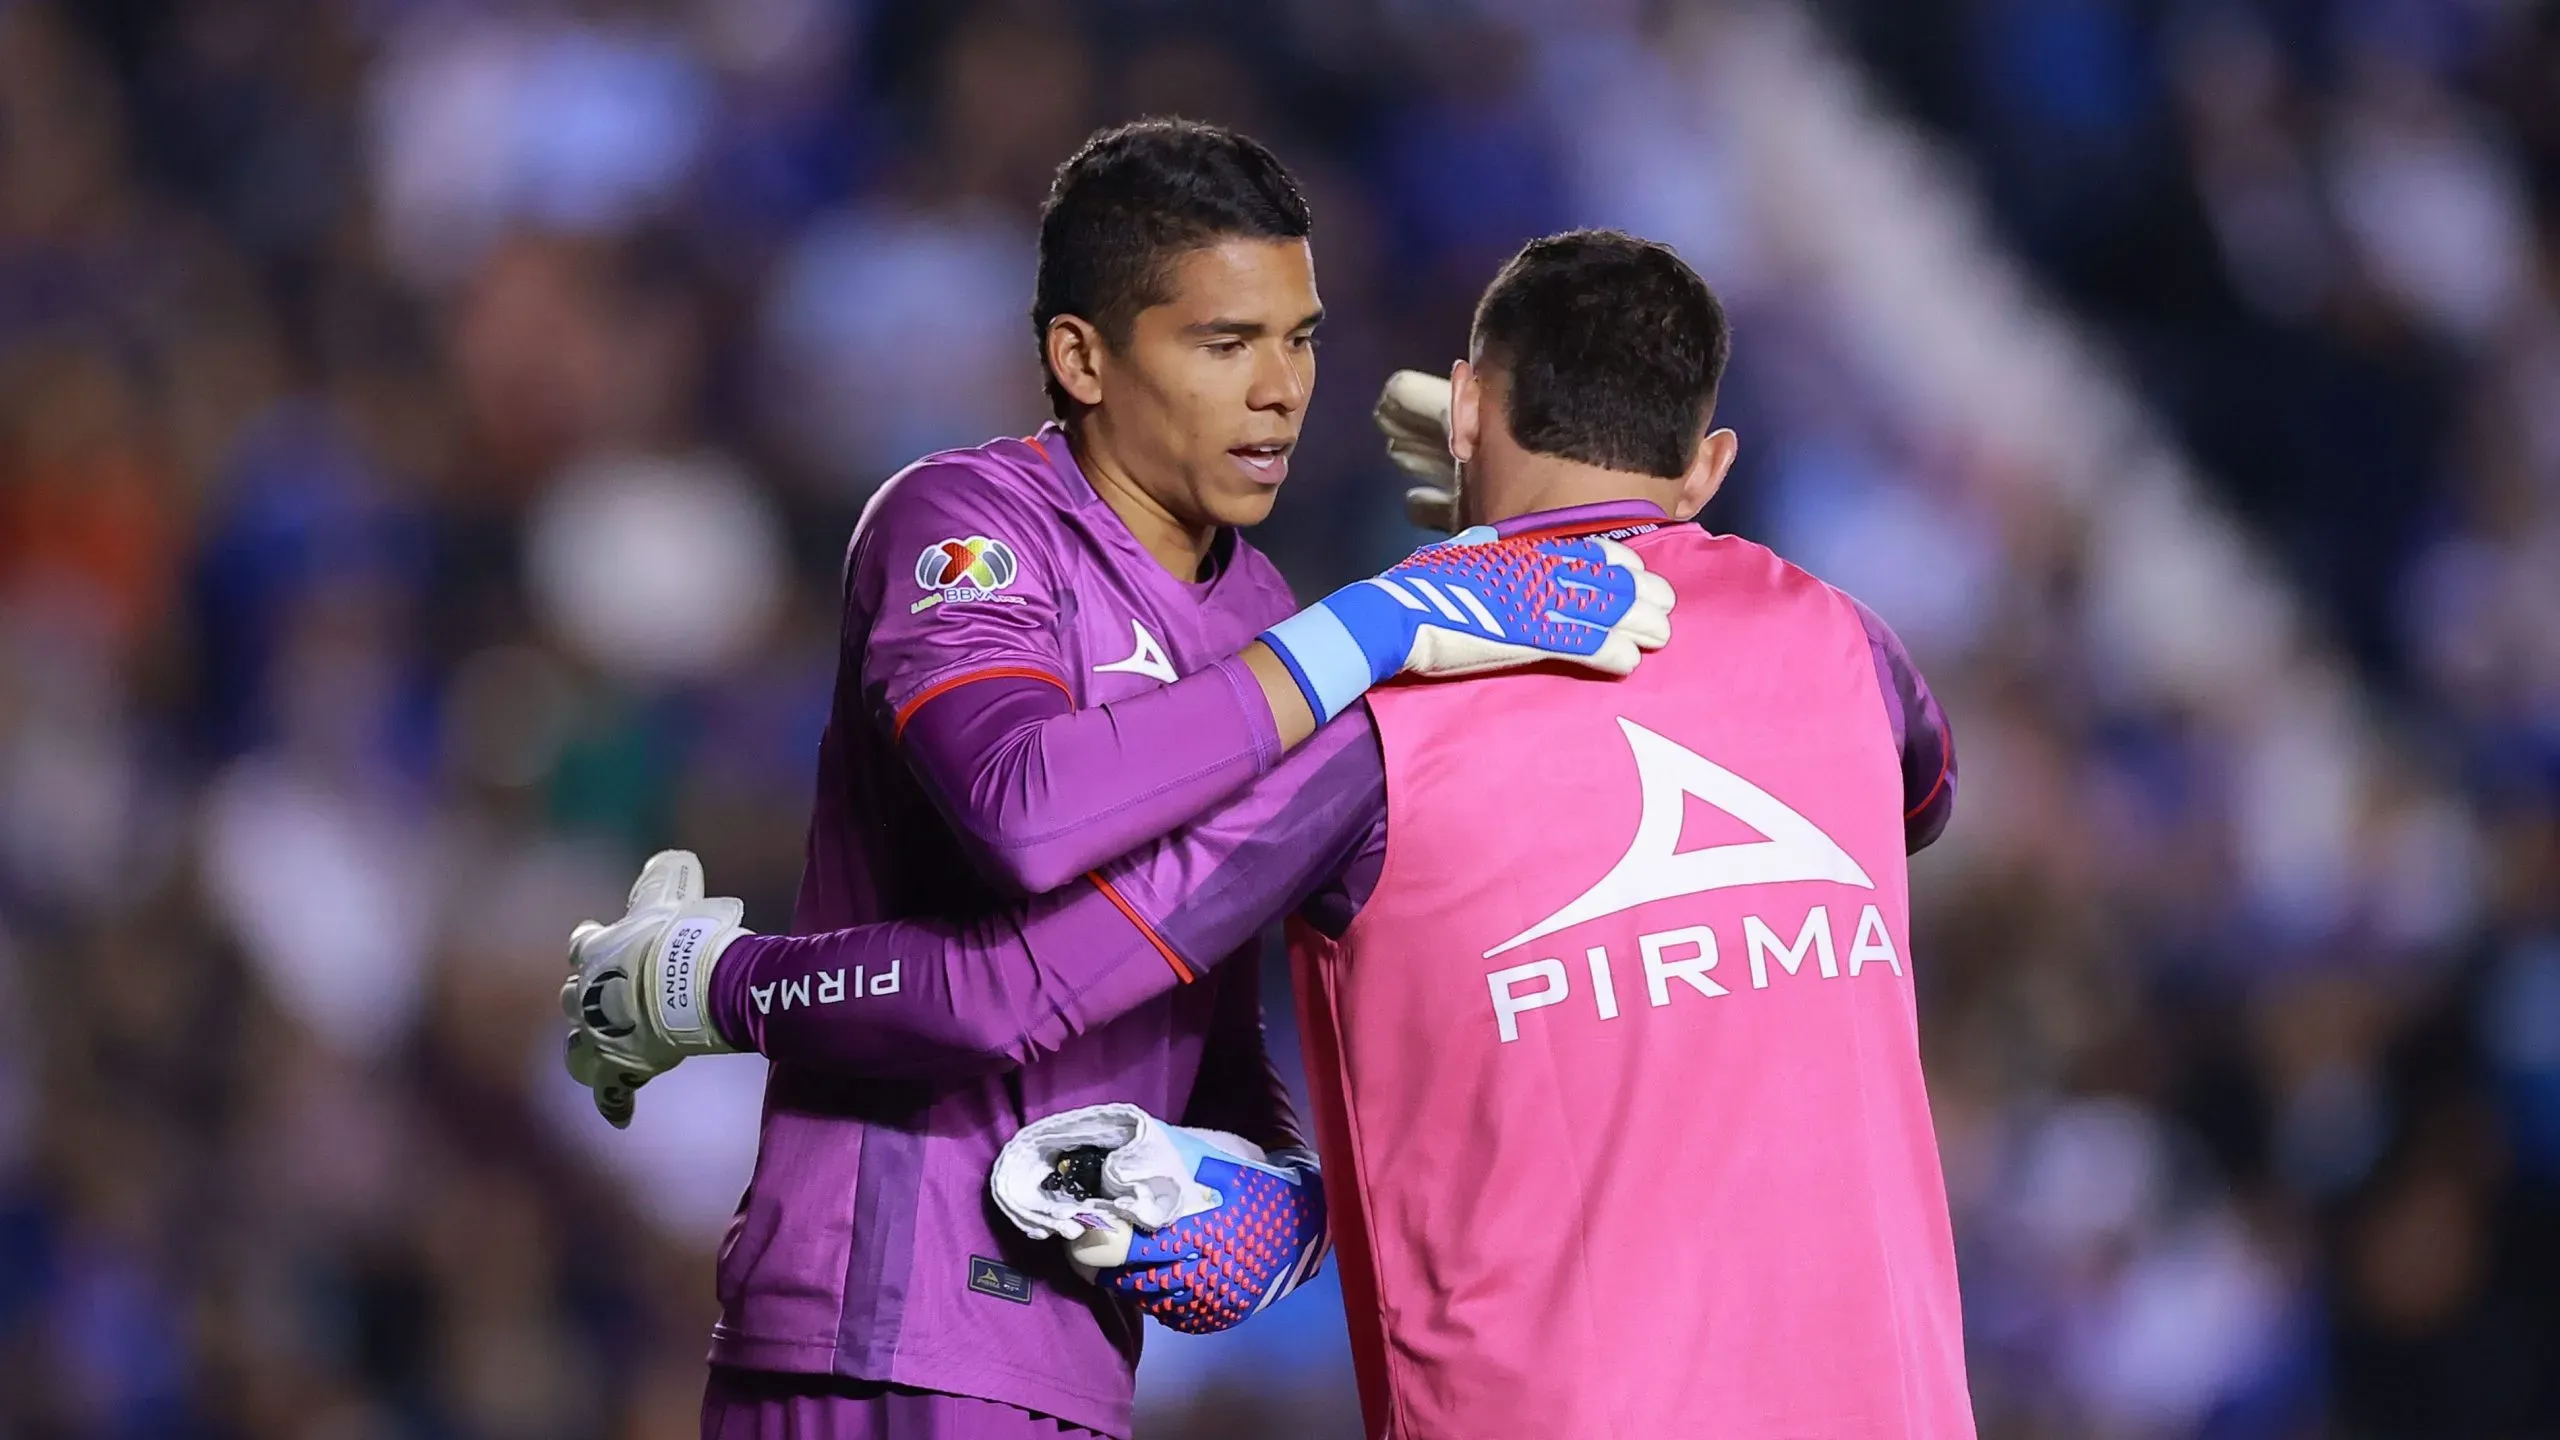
{"points": [[1618, 1071]]}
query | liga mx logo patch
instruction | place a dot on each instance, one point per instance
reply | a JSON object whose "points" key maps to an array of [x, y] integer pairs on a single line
{"points": [[957, 571]]}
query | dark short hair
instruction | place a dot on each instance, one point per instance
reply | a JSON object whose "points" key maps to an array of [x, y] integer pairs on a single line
{"points": [[1134, 198], [1612, 348]]}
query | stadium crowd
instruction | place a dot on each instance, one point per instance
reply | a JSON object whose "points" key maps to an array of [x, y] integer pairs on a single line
{"points": [[428, 435]]}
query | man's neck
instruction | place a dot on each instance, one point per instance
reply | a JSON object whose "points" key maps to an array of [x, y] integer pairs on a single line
{"points": [[1181, 547], [1546, 484]]}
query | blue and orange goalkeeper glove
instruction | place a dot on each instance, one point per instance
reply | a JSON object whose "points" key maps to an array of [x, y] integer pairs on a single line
{"points": [[1473, 603], [1197, 1228]]}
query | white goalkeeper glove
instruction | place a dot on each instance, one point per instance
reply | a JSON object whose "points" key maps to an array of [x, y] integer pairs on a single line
{"points": [[638, 995], [1413, 413]]}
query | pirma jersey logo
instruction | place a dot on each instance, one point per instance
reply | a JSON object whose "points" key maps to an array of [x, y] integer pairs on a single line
{"points": [[1667, 773], [1148, 659], [958, 570]]}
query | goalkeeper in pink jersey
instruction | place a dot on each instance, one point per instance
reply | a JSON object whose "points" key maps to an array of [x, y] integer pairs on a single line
{"points": [[1056, 649]]}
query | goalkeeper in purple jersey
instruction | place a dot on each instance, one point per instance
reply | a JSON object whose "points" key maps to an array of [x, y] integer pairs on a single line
{"points": [[1050, 658]]}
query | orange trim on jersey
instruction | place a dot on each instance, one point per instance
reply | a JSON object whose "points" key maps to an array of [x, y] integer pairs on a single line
{"points": [[907, 711], [1144, 928], [1946, 757]]}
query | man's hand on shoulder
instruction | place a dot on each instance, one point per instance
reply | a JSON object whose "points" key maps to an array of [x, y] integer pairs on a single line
{"points": [[1413, 413], [1475, 603]]}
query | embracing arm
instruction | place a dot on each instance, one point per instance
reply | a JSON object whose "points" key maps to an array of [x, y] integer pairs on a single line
{"points": [[955, 616], [955, 630], [938, 998]]}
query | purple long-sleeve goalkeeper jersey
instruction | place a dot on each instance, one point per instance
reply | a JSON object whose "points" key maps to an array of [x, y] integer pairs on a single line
{"points": [[865, 1246]]}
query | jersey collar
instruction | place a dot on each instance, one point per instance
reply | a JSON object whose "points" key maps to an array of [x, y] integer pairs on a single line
{"points": [[1632, 516], [1054, 447]]}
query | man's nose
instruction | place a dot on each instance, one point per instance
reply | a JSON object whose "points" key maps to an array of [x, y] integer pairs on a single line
{"points": [[1281, 382]]}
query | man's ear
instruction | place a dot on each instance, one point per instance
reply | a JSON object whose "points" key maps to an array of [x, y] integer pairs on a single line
{"points": [[1466, 411], [1706, 473], [1075, 354]]}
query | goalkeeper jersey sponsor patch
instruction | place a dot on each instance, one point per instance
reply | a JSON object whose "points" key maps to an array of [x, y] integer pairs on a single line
{"points": [[1002, 1281]]}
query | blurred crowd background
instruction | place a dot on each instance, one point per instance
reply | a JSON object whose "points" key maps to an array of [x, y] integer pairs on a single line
{"points": [[429, 431]]}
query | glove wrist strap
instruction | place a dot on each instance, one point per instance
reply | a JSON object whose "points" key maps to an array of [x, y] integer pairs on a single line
{"points": [[679, 999], [1327, 661]]}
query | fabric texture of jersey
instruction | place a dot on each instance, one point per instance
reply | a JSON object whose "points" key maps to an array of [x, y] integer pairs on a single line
{"points": [[865, 1246], [1618, 1069]]}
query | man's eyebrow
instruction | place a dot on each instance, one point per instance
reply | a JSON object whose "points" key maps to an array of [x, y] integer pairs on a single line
{"points": [[1248, 329]]}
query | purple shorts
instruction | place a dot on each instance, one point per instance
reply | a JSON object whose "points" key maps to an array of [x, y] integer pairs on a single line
{"points": [[760, 1405]]}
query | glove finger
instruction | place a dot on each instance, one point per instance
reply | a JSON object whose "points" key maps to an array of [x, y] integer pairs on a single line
{"points": [[1645, 623], [1594, 592], [1600, 561], [604, 1083], [1422, 454], [672, 877], [581, 1060], [1617, 655], [1414, 398], [1655, 591], [1431, 507], [1410, 433], [1644, 627], [615, 1101]]}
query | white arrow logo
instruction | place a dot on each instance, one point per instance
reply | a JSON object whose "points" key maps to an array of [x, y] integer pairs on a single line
{"points": [[1796, 849], [1148, 659]]}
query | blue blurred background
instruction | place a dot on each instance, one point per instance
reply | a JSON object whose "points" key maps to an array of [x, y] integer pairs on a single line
{"points": [[2180, 377]]}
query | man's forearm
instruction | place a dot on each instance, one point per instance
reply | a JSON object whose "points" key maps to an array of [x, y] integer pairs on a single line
{"points": [[936, 998], [1042, 792], [917, 999]]}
